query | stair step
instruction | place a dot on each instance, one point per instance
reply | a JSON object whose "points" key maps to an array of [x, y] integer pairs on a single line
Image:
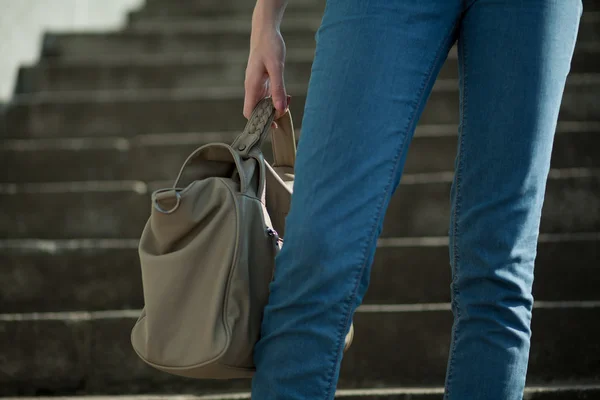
{"points": [[214, 8], [132, 112], [113, 209], [416, 270], [63, 353], [589, 30], [548, 392], [175, 73], [204, 38], [186, 8], [215, 109], [297, 19], [199, 71], [97, 45], [433, 149], [193, 71], [104, 274]]}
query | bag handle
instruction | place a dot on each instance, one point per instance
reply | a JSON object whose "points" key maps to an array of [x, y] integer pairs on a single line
{"points": [[224, 149], [283, 141], [256, 128], [279, 176]]}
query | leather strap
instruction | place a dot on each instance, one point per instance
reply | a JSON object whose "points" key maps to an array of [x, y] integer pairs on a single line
{"points": [[283, 141], [256, 128]]}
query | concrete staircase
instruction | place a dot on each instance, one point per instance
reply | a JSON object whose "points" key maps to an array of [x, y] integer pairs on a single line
{"points": [[103, 119]]}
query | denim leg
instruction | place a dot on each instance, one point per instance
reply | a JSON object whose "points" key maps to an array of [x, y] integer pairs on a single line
{"points": [[375, 64], [514, 60]]}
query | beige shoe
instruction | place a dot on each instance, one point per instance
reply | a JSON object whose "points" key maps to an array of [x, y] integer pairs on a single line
{"points": [[349, 337]]}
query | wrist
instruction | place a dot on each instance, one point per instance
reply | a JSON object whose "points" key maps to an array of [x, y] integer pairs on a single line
{"points": [[268, 14]]}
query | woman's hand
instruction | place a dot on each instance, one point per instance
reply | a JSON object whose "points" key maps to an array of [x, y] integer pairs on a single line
{"points": [[264, 73]]}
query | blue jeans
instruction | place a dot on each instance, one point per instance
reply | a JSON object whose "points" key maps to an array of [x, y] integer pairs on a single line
{"points": [[375, 64]]}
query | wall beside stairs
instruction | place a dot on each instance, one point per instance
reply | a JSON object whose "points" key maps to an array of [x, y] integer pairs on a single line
{"points": [[23, 22]]}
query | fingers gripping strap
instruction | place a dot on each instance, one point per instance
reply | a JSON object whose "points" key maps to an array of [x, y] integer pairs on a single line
{"points": [[256, 129]]}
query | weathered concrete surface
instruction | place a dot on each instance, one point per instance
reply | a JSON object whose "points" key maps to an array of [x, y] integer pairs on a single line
{"points": [[120, 209], [403, 348], [93, 276]]}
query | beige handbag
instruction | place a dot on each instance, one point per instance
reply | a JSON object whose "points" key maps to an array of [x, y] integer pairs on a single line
{"points": [[207, 253]]}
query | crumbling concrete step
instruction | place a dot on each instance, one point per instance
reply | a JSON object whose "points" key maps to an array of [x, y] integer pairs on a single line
{"points": [[294, 19], [197, 72], [155, 73], [104, 274], [208, 37], [97, 45], [159, 156], [395, 345], [115, 209], [216, 109], [189, 7], [217, 8]]}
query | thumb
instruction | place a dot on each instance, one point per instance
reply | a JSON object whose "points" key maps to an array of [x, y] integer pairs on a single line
{"points": [[277, 86]]}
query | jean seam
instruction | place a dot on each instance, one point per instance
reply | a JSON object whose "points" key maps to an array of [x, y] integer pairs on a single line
{"points": [[456, 212], [378, 213], [466, 4]]}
